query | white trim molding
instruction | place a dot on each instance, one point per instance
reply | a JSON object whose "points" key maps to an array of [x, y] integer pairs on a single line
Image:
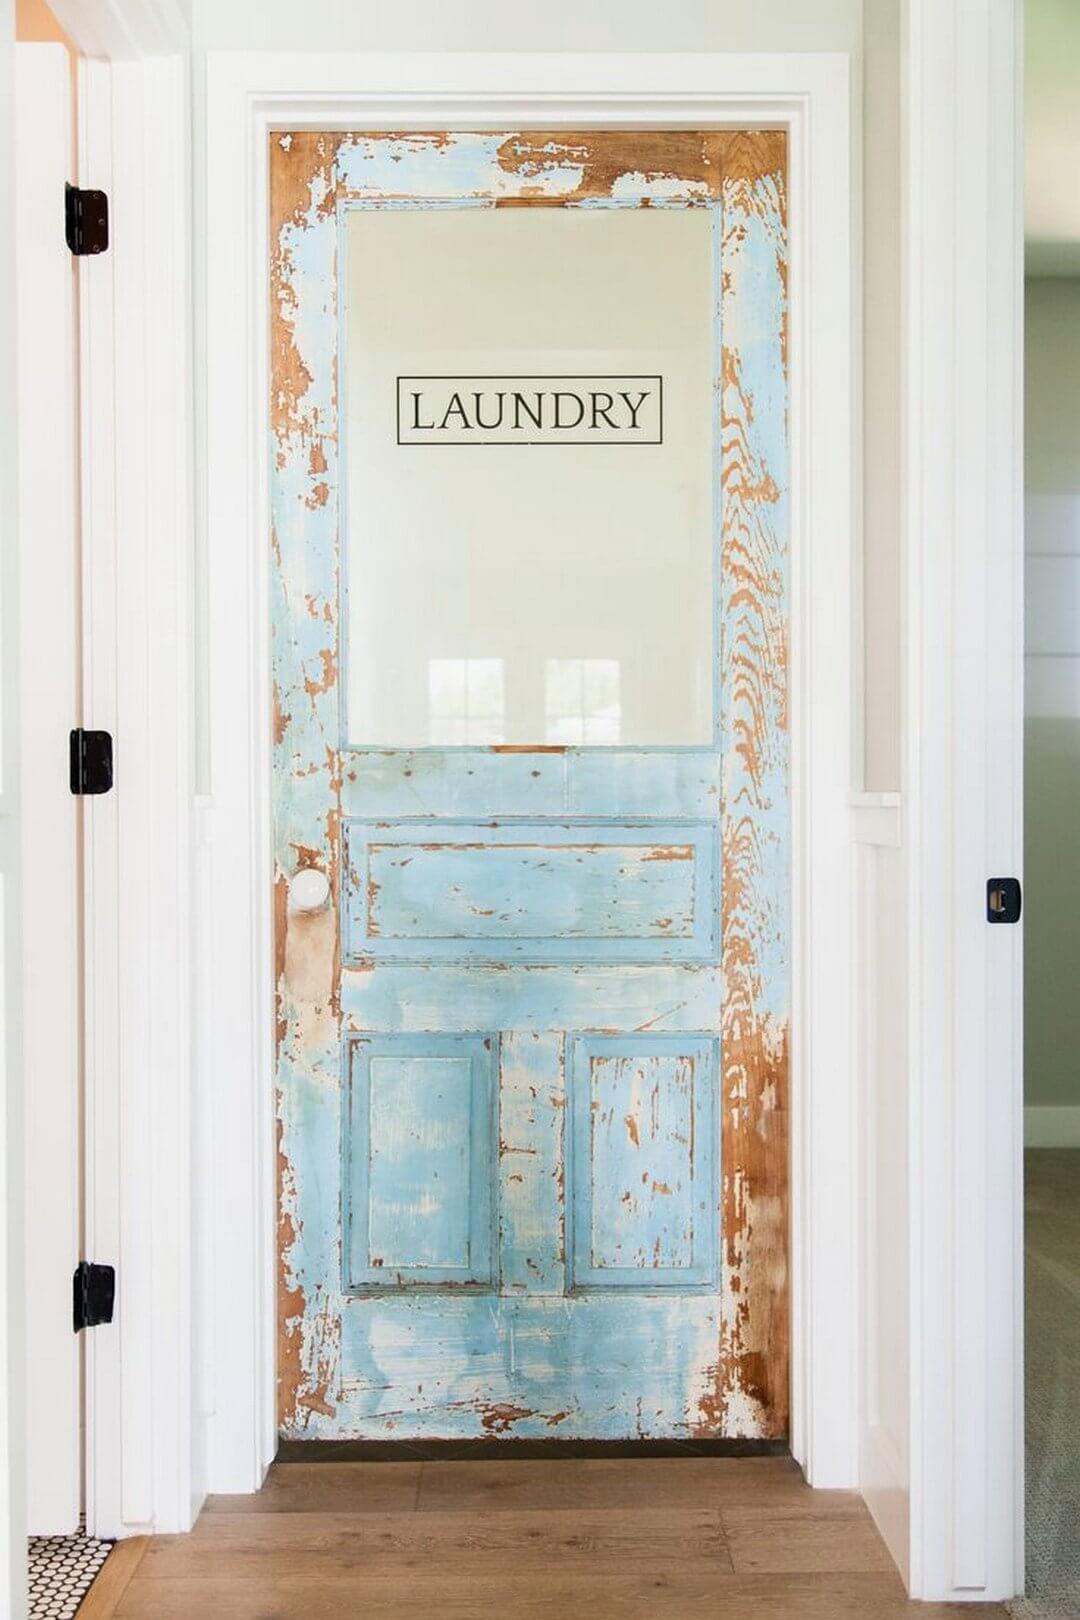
{"points": [[247, 97], [49, 642], [13, 1437], [125, 30], [135, 308], [962, 577], [876, 819]]}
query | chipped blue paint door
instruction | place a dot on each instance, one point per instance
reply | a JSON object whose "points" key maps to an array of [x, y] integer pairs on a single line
{"points": [[532, 957]]}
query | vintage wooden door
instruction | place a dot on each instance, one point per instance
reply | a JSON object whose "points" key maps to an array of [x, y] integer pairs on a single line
{"points": [[529, 462]]}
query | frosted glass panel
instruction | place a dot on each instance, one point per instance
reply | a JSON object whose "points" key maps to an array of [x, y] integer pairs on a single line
{"points": [[530, 477]]}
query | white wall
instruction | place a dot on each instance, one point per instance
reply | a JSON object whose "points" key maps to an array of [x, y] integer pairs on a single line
{"points": [[881, 396], [884, 1310], [486, 25]]}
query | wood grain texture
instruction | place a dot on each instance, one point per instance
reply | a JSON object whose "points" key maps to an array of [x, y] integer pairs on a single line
{"points": [[328, 1487], [750, 1387], [831, 1540], [619, 1538], [348, 1366], [772, 1484], [234, 1545], [606, 1593], [112, 1579]]}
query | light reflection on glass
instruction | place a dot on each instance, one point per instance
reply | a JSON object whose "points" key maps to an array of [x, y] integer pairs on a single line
{"points": [[466, 702], [581, 700]]}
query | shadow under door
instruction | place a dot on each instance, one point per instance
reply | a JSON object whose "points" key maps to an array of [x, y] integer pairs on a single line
{"points": [[529, 466]]}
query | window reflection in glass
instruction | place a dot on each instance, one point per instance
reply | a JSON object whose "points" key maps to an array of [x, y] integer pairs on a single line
{"points": [[466, 701], [581, 701]]}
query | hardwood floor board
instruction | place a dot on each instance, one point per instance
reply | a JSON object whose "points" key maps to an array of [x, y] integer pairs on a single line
{"points": [[803, 1539], [687, 1538], [352, 1487], [486, 1487], [494, 1595], [370, 1546], [112, 1579]]}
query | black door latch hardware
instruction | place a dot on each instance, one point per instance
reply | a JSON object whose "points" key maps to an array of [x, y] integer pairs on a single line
{"points": [[1003, 900]]}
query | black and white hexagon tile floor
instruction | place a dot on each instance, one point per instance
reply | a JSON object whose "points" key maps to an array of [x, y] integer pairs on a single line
{"points": [[62, 1571]]}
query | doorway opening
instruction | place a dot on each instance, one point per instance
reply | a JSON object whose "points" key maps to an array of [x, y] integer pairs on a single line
{"points": [[1052, 818]]}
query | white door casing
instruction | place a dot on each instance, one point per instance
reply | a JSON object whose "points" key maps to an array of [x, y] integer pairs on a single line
{"points": [[49, 645], [807, 95], [12, 1145]]}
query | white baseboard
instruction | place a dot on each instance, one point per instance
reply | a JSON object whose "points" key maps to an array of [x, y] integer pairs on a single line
{"points": [[1052, 1127], [885, 1487]]}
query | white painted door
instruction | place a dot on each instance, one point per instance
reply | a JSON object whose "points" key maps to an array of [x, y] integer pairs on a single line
{"points": [[49, 663]]}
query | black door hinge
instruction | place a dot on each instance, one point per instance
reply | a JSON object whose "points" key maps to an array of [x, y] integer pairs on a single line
{"points": [[86, 220], [94, 1295], [91, 761], [1003, 900]]}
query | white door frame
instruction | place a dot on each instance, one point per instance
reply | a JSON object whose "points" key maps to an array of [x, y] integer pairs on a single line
{"points": [[137, 485], [961, 688], [142, 1465], [963, 777], [12, 1146], [49, 618], [247, 97]]}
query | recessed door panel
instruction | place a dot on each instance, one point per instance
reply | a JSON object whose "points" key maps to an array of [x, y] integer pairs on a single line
{"points": [[644, 1191], [418, 1161], [529, 416], [531, 891]]}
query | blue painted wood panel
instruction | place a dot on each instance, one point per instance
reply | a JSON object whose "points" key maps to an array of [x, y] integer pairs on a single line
{"points": [[525, 1367], [669, 784], [477, 996], [418, 1156], [532, 1191], [644, 1162], [531, 891], [531, 1343]]}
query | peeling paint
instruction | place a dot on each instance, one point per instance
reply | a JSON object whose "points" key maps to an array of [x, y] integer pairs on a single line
{"points": [[535, 1350]]}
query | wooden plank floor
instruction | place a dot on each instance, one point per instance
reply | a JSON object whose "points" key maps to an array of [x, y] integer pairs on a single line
{"points": [[670, 1538]]}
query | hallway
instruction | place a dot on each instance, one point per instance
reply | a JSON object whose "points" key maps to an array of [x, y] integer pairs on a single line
{"points": [[670, 1538]]}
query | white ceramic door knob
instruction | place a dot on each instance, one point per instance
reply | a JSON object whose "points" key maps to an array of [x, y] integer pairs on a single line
{"points": [[309, 889]]}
